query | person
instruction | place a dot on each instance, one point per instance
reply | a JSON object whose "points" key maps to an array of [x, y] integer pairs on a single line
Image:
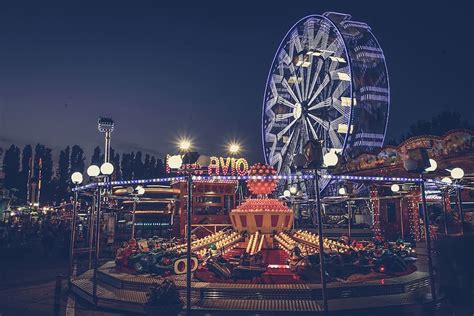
{"points": [[47, 239]]}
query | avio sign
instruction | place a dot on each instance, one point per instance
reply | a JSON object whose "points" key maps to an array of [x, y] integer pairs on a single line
{"points": [[218, 166]]}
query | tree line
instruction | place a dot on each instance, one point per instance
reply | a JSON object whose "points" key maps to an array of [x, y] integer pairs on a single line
{"points": [[438, 125], [25, 166]]}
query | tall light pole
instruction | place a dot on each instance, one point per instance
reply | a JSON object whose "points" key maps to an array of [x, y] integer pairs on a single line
{"points": [[76, 179], [106, 126], [99, 175]]}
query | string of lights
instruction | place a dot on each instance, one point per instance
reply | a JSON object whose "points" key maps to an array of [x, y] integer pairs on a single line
{"points": [[270, 177]]}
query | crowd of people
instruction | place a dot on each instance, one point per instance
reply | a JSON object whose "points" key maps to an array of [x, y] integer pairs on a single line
{"points": [[26, 232]]}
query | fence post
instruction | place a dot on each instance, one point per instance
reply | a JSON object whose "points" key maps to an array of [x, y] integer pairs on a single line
{"points": [[57, 295]]}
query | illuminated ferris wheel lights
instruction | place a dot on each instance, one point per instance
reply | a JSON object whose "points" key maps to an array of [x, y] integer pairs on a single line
{"points": [[314, 80]]}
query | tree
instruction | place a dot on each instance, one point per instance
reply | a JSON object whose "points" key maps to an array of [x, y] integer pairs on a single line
{"points": [[138, 168], [115, 161], [62, 174], [47, 185], [97, 157], [26, 160], [77, 159], [127, 166], [159, 168], [147, 167], [440, 124], [11, 167]]}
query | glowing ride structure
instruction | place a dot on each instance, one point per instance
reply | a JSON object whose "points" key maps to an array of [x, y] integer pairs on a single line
{"points": [[262, 214], [328, 82]]}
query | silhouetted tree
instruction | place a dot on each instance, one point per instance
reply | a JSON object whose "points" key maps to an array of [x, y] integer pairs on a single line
{"points": [[47, 177], [159, 168], [11, 167], [115, 160], [26, 161], [77, 159], [63, 174], [127, 166], [148, 167], [138, 168], [438, 125], [97, 157]]}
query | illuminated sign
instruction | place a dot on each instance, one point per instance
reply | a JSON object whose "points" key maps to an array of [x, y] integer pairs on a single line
{"points": [[218, 166]]}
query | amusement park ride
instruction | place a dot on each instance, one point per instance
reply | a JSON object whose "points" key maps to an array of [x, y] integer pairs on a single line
{"points": [[328, 84]]}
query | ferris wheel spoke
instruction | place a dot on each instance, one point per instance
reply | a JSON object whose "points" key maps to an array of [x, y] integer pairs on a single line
{"points": [[308, 78], [309, 33], [290, 91], [286, 129], [284, 57], [340, 89], [324, 124], [334, 137], [311, 128], [323, 85], [287, 144], [322, 36], [282, 117], [294, 73], [284, 101], [303, 82], [315, 77], [322, 104]]}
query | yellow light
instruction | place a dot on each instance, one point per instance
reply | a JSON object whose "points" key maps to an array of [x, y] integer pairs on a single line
{"points": [[234, 148], [184, 144]]}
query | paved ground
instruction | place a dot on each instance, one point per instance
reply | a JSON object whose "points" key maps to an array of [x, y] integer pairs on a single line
{"points": [[28, 279]]}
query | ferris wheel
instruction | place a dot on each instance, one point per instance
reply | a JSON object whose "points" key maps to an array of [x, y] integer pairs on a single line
{"points": [[328, 82]]}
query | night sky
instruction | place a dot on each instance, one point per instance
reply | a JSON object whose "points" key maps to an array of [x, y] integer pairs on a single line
{"points": [[199, 68]]}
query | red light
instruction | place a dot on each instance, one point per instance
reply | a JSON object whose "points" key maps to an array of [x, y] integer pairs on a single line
{"points": [[382, 268]]}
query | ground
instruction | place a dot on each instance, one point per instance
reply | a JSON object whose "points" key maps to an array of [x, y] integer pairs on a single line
{"points": [[29, 278]]}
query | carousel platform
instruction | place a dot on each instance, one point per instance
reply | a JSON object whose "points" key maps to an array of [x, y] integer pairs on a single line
{"points": [[126, 292]]}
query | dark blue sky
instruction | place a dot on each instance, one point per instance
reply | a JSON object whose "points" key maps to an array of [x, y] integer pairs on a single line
{"points": [[199, 68]]}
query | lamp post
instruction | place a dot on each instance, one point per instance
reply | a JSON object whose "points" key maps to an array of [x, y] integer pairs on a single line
{"points": [[458, 174], [426, 219], [395, 188], [342, 191], [313, 160], [446, 193], [175, 162], [290, 195], [92, 171], [136, 193], [98, 174], [76, 178]]}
